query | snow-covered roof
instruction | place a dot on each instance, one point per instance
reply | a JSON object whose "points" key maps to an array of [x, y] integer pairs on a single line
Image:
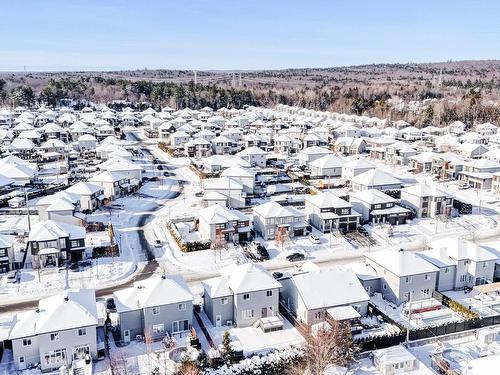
{"points": [[247, 278], [401, 263], [459, 249], [52, 230], [84, 188], [327, 200], [375, 177], [372, 196], [217, 214], [424, 190], [315, 288], [154, 291], [72, 309], [327, 161], [273, 209]]}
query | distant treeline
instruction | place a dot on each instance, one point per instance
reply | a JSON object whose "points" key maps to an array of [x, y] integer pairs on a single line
{"points": [[372, 101]]}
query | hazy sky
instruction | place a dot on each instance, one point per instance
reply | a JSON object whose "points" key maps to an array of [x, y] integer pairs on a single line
{"points": [[234, 34]]}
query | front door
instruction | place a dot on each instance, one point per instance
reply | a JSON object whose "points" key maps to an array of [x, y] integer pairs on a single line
{"points": [[126, 335], [218, 320], [263, 312], [22, 363]]}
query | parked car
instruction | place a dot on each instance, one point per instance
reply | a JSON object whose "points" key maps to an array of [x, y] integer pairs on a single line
{"points": [[314, 239], [198, 194], [13, 277], [277, 275], [295, 257], [363, 231], [260, 250], [110, 305]]}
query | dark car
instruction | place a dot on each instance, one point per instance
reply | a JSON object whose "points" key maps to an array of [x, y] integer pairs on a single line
{"points": [[295, 257], [261, 250], [110, 305], [363, 231], [277, 275]]}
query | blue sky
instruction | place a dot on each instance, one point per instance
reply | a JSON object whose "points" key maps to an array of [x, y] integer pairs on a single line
{"points": [[252, 34]]}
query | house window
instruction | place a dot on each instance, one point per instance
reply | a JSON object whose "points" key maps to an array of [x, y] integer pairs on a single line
{"points": [[425, 292], [269, 293], [158, 329], [446, 270], [247, 314], [224, 301], [407, 279], [317, 315], [344, 211], [82, 331], [246, 296], [181, 306], [180, 326], [80, 351], [156, 310], [385, 286], [378, 206], [55, 356], [75, 243], [54, 336], [26, 342], [485, 264], [427, 277]]}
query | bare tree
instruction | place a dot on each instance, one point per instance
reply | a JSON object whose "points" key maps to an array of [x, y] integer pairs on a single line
{"points": [[189, 368], [282, 237], [328, 346], [218, 245], [148, 341], [118, 361]]}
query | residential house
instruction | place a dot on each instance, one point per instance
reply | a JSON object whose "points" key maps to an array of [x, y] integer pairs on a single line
{"points": [[231, 188], [326, 166], [271, 219], [242, 295], [327, 212], [6, 253], [377, 207], [310, 298], [155, 307], [355, 167], [216, 222], [91, 196], [405, 275], [244, 175], [375, 179], [254, 155], [62, 329], [50, 243], [427, 201], [312, 153]]}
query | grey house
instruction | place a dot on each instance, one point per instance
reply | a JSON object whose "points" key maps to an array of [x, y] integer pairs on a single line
{"points": [[157, 306], [271, 217], [462, 263], [310, 296], [377, 207], [61, 330], [404, 274], [242, 295], [427, 200], [6, 253]]}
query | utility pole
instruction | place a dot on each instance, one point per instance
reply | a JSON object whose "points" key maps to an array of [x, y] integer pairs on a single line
{"points": [[233, 82], [409, 320], [239, 82], [195, 77], [27, 208]]}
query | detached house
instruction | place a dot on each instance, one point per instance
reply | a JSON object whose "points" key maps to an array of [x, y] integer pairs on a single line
{"points": [[375, 179], [6, 253], [52, 242], [327, 212], [63, 329], [312, 300], [218, 222], [254, 155], [91, 195], [404, 274], [428, 201], [377, 207], [157, 306], [272, 218], [326, 166], [242, 295], [462, 263]]}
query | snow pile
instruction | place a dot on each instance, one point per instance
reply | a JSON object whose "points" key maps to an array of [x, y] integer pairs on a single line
{"points": [[271, 363]]}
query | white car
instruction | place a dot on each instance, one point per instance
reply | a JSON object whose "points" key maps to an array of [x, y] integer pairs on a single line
{"points": [[314, 239]]}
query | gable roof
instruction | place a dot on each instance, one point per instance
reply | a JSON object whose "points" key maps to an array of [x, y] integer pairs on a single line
{"points": [[274, 209], [326, 200], [375, 177], [401, 263]]}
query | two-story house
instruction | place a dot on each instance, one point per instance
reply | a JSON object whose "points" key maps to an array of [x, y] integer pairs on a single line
{"points": [[377, 207], [243, 295], [375, 179], [310, 298], [327, 212], [50, 243], [6, 253], [114, 184], [154, 307], [326, 166], [462, 263], [217, 222], [255, 156], [91, 195], [405, 275], [272, 218], [61, 330], [427, 201]]}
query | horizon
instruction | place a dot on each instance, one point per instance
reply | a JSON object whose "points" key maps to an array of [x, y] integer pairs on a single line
{"points": [[56, 36]]}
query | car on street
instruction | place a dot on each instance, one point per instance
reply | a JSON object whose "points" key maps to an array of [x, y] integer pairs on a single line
{"points": [[314, 239], [363, 231], [277, 275], [295, 257], [13, 277]]}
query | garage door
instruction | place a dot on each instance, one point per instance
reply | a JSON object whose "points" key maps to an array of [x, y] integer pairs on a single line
{"points": [[352, 226]]}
